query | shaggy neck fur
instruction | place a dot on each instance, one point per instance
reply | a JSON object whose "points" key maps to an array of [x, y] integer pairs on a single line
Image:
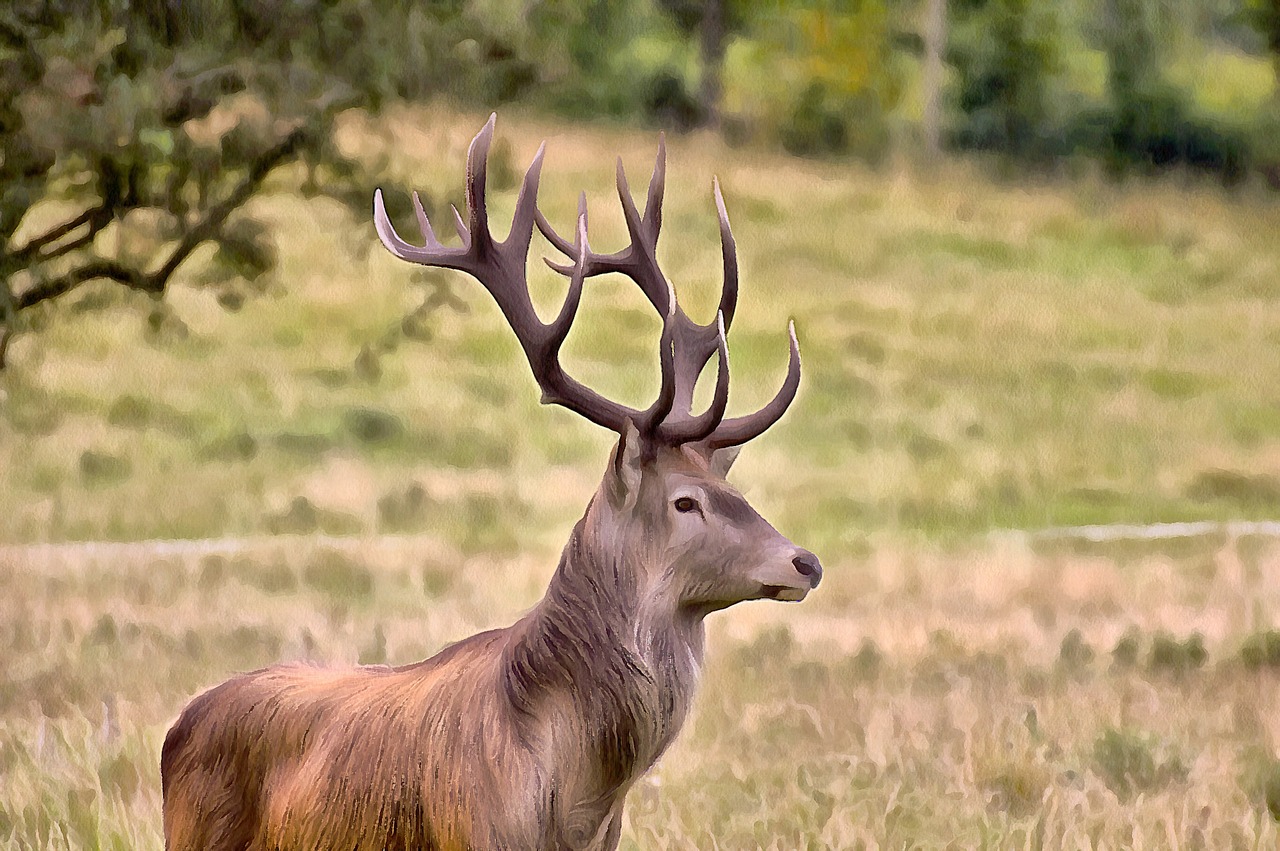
{"points": [[603, 669]]}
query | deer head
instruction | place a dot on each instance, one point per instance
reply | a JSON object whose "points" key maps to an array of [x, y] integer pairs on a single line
{"points": [[664, 499]]}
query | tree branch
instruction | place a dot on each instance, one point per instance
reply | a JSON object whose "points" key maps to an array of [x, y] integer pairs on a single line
{"points": [[99, 269], [95, 217], [10, 314], [205, 229], [208, 227]]}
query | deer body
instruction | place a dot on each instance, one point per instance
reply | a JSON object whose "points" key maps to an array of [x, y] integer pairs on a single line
{"points": [[503, 741], [527, 737]]}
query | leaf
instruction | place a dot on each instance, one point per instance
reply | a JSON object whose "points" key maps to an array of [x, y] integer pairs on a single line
{"points": [[244, 250], [158, 139]]}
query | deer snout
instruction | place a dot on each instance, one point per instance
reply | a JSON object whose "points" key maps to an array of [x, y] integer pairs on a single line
{"points": [[809, 567]]}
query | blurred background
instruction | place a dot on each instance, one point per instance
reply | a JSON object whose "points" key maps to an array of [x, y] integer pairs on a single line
{"points": [[1031, 251]]}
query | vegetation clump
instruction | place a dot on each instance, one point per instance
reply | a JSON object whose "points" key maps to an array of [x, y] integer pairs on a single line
{"points": [[338, 575], [1173, 656], [1130, 762], [1261, 650], [1075, 653]]}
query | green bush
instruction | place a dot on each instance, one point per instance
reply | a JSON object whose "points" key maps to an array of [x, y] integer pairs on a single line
{"points": [[1005, 54], [1156, 129], [1131, 763], [1261, 650], [338, 575], [1169, 655], [667, 101], [1074, 653]]}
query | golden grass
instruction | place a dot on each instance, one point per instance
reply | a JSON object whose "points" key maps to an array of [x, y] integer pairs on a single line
{"points": [[924, 698]]}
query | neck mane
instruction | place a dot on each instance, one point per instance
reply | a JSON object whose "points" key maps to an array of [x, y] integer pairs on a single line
{"points": [[604, 668]]}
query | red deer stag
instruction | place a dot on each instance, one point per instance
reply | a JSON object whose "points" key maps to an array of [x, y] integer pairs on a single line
{"points": [[527, 737]]}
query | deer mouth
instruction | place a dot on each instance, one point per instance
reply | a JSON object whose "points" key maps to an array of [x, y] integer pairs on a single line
{"points": [[785, 593]]}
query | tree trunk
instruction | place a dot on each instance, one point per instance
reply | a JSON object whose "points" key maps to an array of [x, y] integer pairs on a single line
{"points": [[935, 40], [713, 34]]}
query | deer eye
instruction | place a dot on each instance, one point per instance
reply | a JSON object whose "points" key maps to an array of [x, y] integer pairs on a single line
{"points": [[686, 504]]}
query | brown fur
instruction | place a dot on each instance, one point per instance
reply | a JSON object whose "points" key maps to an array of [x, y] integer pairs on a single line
{"points": [[520, 738]]}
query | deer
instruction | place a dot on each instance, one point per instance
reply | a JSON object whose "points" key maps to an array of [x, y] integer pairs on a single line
{"points": [[529, 736]]}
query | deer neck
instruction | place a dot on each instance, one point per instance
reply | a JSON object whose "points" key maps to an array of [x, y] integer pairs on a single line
{"points": [[608, 662]]}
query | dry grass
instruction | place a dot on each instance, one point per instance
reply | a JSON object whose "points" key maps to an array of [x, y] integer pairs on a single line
{"points": [[921, 699]]}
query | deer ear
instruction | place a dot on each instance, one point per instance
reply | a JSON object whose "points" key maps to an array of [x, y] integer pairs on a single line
{"points": [[722, 460], [624, 470]]}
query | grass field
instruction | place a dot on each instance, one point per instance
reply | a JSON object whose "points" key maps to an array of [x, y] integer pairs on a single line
{"points": [[978, 356]]}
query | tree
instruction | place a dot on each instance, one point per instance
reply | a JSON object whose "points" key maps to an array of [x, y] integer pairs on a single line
{"points": [[1005, 53], [712, 21], [935, 39], [133, 132], [1265, 17], [1153, 124]]}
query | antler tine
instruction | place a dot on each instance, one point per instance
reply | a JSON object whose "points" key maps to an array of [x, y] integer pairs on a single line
{"points": [[639, 260], [694, 429], [697, 343], [685, 347], [477, 176], [432, 254], [729, 251], [461, 227], [630, 260], [661, 408], [522, 222], [424, 224], [657, 185], [559, 328], [562, 244], [694, 343], [741, 429]]}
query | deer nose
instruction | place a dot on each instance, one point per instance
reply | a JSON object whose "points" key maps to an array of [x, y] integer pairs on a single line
{"points": [[808, 565]]}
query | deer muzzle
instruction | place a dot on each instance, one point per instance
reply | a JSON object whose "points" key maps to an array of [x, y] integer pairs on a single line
{"points": [[791, 581]]}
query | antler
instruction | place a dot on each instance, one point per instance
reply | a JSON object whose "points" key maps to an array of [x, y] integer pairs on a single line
{"points": [[685, 345], [694, 343], [500, 267]]}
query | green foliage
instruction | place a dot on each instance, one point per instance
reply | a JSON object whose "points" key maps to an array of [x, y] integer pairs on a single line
{"points": [[822, 78], [1261, 779], [338, 575], [1261, 650], [1005, 54], [1017, 87], [1265, 143], [1173, 656], [1131, 762], [130, 135], [1128, 646], [1264, 15], [1150, 123], [1075, 653], [609, 57]]}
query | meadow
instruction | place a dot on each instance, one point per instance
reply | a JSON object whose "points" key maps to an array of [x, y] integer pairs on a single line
{"points": [[979, 356]]}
